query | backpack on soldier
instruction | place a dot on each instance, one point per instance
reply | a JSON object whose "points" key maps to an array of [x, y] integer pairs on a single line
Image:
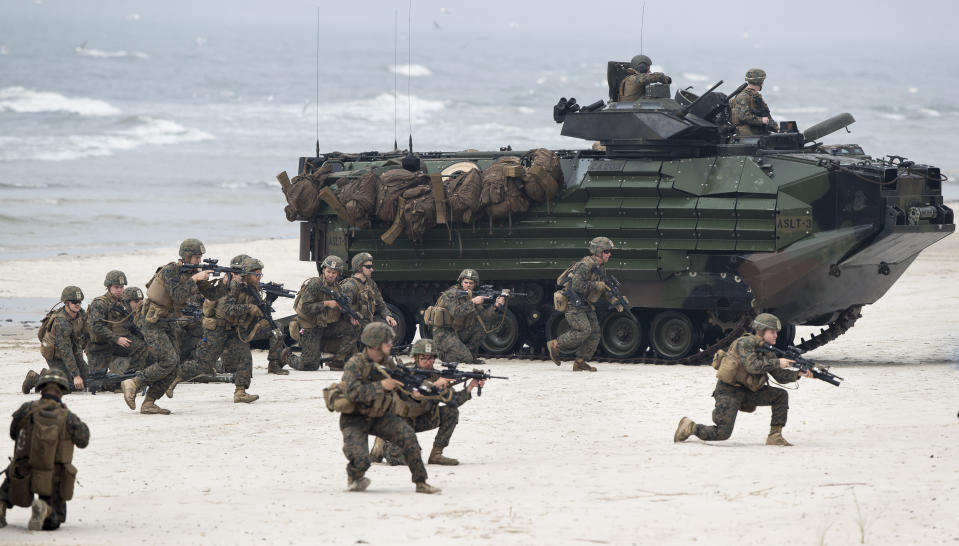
{"points": [[336, 400], [45, 334], [463, 191], [541, 182], [419, 211], [359, 199], [502, 193], [393, 183]]}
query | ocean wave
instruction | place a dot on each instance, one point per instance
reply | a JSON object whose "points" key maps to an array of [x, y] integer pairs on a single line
{"points": [[146, 131], [248, 184], [116, 54], [414, 70], [379, 109], [27, 101]]}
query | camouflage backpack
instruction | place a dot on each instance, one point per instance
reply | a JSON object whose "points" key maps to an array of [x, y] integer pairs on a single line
{"points": [[502, 193], [543, 174], [463, 195], [359, 199], [392, 185], [303, 194], [419, 211]]}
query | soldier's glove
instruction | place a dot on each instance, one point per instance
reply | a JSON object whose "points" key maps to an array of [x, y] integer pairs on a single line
{"points": [[601, 286], [620, 308], [255, 311]]}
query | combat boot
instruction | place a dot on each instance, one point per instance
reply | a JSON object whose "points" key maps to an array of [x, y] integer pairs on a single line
{"points": [[130, 388], [358, 485], [553, 346], [149, 406], [437, 457], [3, 514], [478, 361], [240, 395], [40, 511], [276, 368], [423, 487], [685, 429], [29, 382], [335, 365], [376, 454], [169, 390], [580, 365], [775, 437]]}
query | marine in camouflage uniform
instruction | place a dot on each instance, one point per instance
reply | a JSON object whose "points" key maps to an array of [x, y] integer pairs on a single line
{"points": [[110, 338], [62, 345], [742, 385], [129, 327], [168, 292], [426, 415], [365, 298], [23, 479], [373, 392], [319, 318], [633, 86], [470, 320], [750, 114], [583, 286]]}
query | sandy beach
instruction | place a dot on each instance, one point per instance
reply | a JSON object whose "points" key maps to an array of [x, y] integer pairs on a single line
{"points": [[548, 457]]}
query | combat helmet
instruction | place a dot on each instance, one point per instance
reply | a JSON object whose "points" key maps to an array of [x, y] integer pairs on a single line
{"points": [[641, 63], [191, 247], [251, 264], [115, 277], [766, 321], [357, 262], [237, 260], [333, 262], [599, 244], [470, 274], [423, 347], [755, 76], [71, 293], [376, 333], [131, 293], [51, 375]]}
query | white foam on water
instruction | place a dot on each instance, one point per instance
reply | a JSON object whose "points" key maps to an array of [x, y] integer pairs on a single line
{"points": [[116, 54], [410, 70], [22, 100], [930, 112], [380, 108], [693, 77]]}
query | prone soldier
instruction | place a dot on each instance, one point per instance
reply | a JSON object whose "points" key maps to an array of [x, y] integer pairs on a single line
{"points": [[63, 335], [365, 298], [750, 114], [318, 317], [742, 385], [633, 86], [45, 432], [459, 319]]}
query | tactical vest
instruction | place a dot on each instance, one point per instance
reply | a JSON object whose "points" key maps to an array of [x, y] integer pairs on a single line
{"points": [[730, 368], [382, 404], [365, 304], [43, 454], [157, 292], [325, 317], [113, 317]]}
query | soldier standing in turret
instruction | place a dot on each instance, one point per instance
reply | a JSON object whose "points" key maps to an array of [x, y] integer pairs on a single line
{"points": [[742, 386], [365, 298], [463, 324], [584, 286], [750, 114], [633, 86]]}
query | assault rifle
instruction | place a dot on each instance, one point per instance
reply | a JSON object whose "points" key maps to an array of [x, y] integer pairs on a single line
{"points": [[274, 290], [793, 353], [128, 320], [193, 310], [103, 380], [343, 302], [490, 293], [411, 380], [457, 376], [265, 308], [210, 264], [614, 286]]}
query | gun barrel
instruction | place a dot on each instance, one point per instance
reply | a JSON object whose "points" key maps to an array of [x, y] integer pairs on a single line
{"points": [[688, 107], [828, 126]]}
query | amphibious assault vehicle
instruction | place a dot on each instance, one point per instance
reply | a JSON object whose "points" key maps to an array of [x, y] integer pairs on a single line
{"points": [[710, 229]]}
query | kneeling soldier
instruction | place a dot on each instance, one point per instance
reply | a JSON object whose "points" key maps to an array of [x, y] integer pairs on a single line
{"points": [[318, 317], [459, 325], [63, 335], [372, 392], [742, 386], [45, 432]]}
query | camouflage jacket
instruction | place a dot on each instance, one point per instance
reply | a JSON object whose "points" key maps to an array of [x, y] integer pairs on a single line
{"points": [[633, 87], [583, 279], [238, 307], [756, 363], [361, 384], [105, 315], [177, 289], [464, 312], [311, 311], [69, 340], [416, 408], [76, 428], [748, 108], [365, 298]]}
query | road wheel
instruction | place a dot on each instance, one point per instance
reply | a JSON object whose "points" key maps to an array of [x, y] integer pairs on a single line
{"points": [[622, 335], [673, 335], [503, 339], [404, 326]]}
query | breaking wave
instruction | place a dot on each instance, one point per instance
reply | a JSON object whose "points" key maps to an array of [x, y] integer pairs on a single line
{"points": [[22, 100], [380, 108], [410, 70]]}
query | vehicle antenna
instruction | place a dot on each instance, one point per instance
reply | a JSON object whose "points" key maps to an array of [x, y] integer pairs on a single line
{"points": [[395, 69], [642, 26], [410, 162], [317, 103]]}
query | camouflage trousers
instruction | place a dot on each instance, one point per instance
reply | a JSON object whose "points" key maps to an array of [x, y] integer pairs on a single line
{"points": [[58, 514], [356, 430], [444, 418], [312, 341], [161, 339], [460, 346], [731, 400], [582, 338], [188, 337], [57, 364], [221, 341], [118, 359]]}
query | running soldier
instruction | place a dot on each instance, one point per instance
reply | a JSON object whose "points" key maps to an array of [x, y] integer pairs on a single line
{"points": [[365, 298], [583, 286], [743, 385], [460, 320], [45, 432], [319, 318]]}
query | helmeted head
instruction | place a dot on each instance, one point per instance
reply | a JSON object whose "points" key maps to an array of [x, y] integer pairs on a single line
{"points": [[334, 262], [55, 376], [357, 262], [132, 293], [191, 247], [755, 76], [470, 274], [237, 260], [251, 264], [599, 244], [376, 333], [115, 278], [766, 321], [641, 63], [71, 293], [423, 347]]}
